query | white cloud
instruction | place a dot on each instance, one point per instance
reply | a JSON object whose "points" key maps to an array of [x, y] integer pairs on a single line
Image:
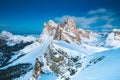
{"points": [[61, 19], [103, 15], [101, 10], [103, 20], [83, 22]]}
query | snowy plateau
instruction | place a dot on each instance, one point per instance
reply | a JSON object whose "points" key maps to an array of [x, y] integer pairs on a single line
{"points": [[61, 52]]}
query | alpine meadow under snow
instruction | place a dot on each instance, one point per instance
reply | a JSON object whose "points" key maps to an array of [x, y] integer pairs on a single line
{"points": [[61, 52]]}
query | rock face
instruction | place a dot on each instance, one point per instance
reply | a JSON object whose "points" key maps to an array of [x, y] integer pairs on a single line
{"points": [[68, 32], [61, 61], [37, 69]]}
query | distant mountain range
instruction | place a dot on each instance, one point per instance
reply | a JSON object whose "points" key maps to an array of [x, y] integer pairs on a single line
{"points": [[61, 52]]}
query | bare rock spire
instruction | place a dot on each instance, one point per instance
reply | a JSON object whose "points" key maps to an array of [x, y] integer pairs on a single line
{"points": [[71, 23]]}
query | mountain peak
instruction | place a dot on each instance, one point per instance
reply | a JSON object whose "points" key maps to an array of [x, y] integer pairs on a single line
{"points": [[70, 23], [50, 23], [6, 34]]}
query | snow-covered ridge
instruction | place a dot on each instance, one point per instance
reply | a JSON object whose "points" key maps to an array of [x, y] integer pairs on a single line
{"points": [[116, 30], [51, 23], [6, 34], [15, 39], [113, 39]]}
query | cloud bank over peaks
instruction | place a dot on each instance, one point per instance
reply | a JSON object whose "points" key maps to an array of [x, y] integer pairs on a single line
{"points": [[100, 20]]}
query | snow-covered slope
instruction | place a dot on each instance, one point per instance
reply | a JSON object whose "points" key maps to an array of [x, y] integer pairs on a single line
{"points": [[107, 69]]}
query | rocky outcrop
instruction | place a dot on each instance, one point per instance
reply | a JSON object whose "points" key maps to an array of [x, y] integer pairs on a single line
{"points": [[60, 61], [67, 32], [37, 69]]}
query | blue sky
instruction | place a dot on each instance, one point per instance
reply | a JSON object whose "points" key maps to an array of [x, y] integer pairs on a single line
{"points": [[28, 16]]}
